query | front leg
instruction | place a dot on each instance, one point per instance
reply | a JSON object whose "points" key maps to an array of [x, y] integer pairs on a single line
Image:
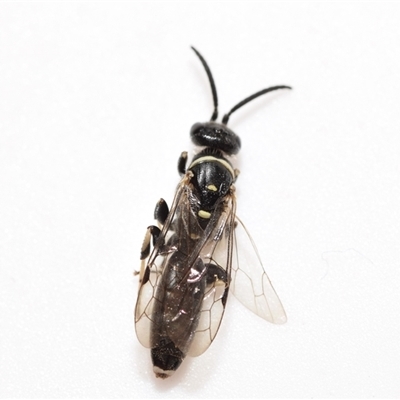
{"points": [[182, 163]]}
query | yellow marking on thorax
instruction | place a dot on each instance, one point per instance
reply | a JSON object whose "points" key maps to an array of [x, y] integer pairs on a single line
{"points": [[204, 214], [211, 159], [212, 187]]}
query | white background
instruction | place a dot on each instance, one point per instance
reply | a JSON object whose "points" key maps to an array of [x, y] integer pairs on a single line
{"points": [[96, 104]]}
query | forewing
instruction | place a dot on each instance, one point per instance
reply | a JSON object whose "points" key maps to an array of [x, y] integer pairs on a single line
{"points": [[217, 251], [150, 274], [213, 246], [249, 282], [146, 300]]}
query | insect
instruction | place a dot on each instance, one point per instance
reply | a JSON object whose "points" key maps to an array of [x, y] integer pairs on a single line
{"points": [[201, 252]]}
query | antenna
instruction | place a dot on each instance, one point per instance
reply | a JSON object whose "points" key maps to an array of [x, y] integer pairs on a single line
{"points": [[252, 97], [213, 89]]}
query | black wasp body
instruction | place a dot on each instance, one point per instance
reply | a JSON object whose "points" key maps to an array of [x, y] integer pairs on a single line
{"points": [[195, 262]]}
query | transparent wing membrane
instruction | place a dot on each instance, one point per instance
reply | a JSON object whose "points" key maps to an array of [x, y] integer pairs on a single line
{"points": [[249, 282], [186, 279], [191, 265], [218, 255]]}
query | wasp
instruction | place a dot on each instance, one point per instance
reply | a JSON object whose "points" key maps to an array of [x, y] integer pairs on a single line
{"points": [[184, 280]]}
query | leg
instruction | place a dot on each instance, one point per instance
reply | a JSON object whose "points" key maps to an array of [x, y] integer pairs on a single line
{"points": [[152, 231], [215, 273], [161, 211], [217, 276], [182, 163]]}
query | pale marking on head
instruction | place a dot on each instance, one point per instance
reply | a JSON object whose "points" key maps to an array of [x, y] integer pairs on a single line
{"points": [[204, 214], [211, 158], [212, 187]]}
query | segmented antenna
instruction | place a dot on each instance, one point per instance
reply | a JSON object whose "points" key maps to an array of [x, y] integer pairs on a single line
{"points": [[252, 97], [213, 89]]}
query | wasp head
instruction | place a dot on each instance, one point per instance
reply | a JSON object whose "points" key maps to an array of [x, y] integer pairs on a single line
{"points": [[215, 135]]}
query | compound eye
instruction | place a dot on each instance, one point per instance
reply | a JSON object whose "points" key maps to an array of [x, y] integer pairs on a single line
{"points": [[215, 135]]}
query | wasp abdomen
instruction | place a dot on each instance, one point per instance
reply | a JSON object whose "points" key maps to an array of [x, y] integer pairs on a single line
{"points": [[176, 313]]}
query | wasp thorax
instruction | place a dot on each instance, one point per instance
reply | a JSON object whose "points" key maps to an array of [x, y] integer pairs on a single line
{"points": [[215, 135], [212, 178]]}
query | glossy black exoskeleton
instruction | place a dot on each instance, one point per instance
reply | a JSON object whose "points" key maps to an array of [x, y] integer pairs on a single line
{"points": [[185, 280]]}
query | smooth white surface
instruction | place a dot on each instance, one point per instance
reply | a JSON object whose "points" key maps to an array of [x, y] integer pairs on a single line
{"points": [[96, 103]]}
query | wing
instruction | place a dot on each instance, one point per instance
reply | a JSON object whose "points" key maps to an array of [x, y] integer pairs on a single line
{"points": [[202, 260], [217, 254], [249, 282], [150, 274]]}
